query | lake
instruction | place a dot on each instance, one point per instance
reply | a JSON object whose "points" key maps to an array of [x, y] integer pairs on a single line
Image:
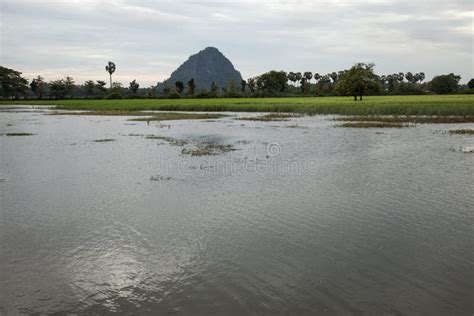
{"points": [[100, 215]]}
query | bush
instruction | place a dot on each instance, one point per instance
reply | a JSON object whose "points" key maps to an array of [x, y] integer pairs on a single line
{"points": [[114, 96]]}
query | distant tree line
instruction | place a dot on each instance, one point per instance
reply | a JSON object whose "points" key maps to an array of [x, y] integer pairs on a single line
{"points": [[358, 81]]}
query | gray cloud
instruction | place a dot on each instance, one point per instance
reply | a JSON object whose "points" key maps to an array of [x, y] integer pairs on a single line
{"points": [[149, 39]]}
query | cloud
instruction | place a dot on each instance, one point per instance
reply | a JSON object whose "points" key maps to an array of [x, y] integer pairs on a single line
{"points": [[149, 39]]}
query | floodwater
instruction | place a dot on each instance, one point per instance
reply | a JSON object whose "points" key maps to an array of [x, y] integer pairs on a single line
{"points": [[300, 218]]}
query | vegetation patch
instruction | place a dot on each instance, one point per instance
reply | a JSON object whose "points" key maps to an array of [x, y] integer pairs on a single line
{"points": [[374, 125], [101, 113], [160, 178], [462, 132], [270, 117], [409, 119], [412, 105], [18, 134], [171, 116], [208, 150], [104, 140], [170, 140]]}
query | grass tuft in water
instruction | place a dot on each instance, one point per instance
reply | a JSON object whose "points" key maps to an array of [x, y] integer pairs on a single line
{"points": [[160, 178], [462, 132], [207, 150], [271, 117], [409, 119], [18, 134], [374, 125], [171, 116], [104, 140]]}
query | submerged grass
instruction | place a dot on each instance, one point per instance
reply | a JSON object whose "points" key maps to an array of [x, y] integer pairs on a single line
{"points": [[431, 105], [207, 150], [18, 134], [409, 119], [462, 132], [104, 140], [171, 116], [374, 125], [270, 117]]}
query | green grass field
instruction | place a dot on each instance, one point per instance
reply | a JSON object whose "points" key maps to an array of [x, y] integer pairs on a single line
{"points": [[376, 105]]}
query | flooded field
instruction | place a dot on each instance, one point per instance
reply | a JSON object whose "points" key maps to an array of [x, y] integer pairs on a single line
{"points": [[103, 214]]}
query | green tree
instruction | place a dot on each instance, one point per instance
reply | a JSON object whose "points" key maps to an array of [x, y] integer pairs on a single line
{"points": [[470, 84], [357, 81], [89, 87], [11, 83], [57, 89], [179, 85], [100, 86], [69, 86], [444, 84], [191, 87], [252, 84], [38, 86], [134, 87], [298, 76], [272, 82], [316, 76], [243, 85], [110, 68], [308, 75], [214, 90], [231, 90], [292, 77]]}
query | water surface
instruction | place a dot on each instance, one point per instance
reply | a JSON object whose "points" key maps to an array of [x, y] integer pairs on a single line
{"points": [[302, 218]]}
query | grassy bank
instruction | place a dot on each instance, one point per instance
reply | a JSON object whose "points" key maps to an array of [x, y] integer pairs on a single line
{"points": [[445, 105]]}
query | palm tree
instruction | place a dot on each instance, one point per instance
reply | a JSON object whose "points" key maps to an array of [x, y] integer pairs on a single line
{"points": [[110, 68], [308, 75]]}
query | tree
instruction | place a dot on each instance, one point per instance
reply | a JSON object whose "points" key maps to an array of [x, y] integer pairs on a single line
{"points": [[179, 85], [411, 78], [243, 85], [357, 80], [470, 84], [38, 86], [89, 87], [11, 83], [444, 84], [251, 83], [272, 82], [292, 77], [110, 68], [100, 85], [231, 90], [308, 75], [419, 77], [68, 86], [134, 87], [316, 76], [191, 87], [298, 76], [333, 77], [214, 89], [58, 89]]}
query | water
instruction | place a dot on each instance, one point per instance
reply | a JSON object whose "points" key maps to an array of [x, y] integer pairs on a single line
{"points": [[302, 218]]}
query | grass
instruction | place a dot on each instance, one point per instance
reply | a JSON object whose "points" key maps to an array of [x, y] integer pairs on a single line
{"points": [[439, 105], [374, 125], [103, 140], [18, 134], [269, 117], [172, 116], [409, 119], [207, 150], [462, 132]]}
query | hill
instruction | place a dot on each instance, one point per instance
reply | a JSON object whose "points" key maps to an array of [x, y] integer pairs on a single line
{"points": [[205, 67]]}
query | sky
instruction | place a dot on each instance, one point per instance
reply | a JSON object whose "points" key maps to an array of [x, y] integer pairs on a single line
{"points": [[147, 40]]}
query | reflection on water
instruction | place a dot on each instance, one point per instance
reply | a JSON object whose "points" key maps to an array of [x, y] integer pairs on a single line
{"points": [[303, 220]]}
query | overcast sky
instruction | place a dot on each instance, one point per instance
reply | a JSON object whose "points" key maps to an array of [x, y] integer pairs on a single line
{"points": [[149, 39]]}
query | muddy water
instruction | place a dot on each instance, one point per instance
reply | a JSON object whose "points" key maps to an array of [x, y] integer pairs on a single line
{"points": [[298, 218]]}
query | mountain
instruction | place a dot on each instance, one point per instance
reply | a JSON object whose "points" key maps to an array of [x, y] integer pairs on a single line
{"points": [[205, 67]]}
